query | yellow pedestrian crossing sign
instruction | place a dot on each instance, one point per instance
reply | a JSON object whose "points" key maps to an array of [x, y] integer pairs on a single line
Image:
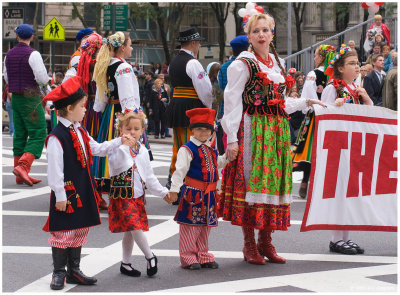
{"points": [[54, 31]]}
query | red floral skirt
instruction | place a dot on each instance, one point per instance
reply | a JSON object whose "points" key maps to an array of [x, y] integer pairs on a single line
{"points": [[231, 205], [127, 215]]}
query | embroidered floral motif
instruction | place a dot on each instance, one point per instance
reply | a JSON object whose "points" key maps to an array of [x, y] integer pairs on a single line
{"points": [[123, 71]]}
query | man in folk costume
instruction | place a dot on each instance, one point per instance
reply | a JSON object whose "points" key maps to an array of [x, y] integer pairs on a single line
{"points": [[81, 37], [191, 89], [73, 201], [24, 71]]}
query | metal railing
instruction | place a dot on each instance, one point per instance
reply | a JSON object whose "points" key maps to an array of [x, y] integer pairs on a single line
{"points": [[304, 59]]}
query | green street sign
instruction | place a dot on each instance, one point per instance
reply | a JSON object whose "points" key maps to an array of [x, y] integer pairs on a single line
{"points": [[121, 17]]}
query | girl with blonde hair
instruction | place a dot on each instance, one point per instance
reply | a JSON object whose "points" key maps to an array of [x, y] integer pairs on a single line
{"points": [[256, 188], [117, 90]]}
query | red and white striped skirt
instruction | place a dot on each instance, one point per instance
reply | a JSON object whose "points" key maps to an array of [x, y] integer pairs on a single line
{"points": [[69, 238]]}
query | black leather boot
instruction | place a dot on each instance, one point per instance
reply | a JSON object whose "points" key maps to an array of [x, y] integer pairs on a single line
{"points": [[74, 274], [59, 261]]}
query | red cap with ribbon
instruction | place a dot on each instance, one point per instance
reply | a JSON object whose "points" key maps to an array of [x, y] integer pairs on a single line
{"points": [[67, 93], [201, 117]]}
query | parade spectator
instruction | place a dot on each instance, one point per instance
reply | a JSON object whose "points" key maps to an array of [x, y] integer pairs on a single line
{"points": [[369, 68], [137, 68], [164, 69], [299, 77], [158, 103], [363, 73], [374, 81], [256, 186], [196, 177], [389, 91], [117, 90], [191, 89], [379, 40], [24, 72], [148, 88], [375, 50], [127, 196], [315, 83], [353, 47], [291, 72], [165, 85], [212, 71], [81, 37], [381, 28], [388, 58], [295, 118], [152, 67], [157, 69], [73, 200], [341, 91], [58, 80]]}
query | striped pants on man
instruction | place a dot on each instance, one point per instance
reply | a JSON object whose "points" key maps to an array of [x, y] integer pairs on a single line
{"points": [[193, 244]]}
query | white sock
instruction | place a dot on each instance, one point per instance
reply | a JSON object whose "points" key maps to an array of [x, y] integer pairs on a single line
{"points": [[127, 247], [338, 235], [141, 240], [346, 234]]}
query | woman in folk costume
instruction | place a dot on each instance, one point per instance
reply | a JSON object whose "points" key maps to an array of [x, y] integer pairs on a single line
{"points": [[117, 90], [256, 189], [86, 64], [315, 83], [343, 70]]}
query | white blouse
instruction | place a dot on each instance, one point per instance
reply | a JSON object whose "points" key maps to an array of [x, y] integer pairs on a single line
{"points": [[128, 88], [238, 75], [120, 160], [55, 157], [182, 165]]}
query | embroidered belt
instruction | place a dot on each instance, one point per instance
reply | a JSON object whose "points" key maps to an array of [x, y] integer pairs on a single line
{"points": [[185, 92], [113, 101], [201, 185]]}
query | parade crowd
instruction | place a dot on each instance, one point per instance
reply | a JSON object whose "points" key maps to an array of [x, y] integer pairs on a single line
{"points": [[249, 115]]}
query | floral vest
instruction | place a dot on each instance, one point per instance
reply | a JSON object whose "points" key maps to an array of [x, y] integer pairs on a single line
{"points": [[261, 95]]}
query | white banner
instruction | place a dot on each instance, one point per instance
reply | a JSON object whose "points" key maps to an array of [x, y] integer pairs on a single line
{"points": [[353, 184]]}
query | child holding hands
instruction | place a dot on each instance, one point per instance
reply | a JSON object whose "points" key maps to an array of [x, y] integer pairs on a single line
{"points": [[344, 70], [130, 172], [197, 169], [73, 201]]}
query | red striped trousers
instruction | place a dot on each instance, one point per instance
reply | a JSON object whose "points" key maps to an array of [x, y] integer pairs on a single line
{"points": [[69, 238], [193, 244]]}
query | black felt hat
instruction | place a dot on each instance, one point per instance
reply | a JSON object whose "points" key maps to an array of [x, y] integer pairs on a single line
{"points": [[190, 34]]}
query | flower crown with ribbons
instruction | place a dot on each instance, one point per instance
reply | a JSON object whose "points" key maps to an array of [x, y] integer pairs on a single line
{"points": [[127, 111], [114, 41], [343, 49]]}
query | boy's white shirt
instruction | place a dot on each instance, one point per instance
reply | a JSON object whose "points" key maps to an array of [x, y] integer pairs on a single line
{"points": [[182, 165], [120, 160], [55, 157]]}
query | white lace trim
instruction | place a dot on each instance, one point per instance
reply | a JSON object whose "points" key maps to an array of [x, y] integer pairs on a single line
{"points": [[252, 198], [247, 159]]}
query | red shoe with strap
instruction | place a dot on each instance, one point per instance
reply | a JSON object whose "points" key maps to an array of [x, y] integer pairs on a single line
{"points": [[22, 167], [250, 251], [265, 247]]}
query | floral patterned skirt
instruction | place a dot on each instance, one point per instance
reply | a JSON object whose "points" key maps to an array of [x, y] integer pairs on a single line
{"points": [[127, 215], [256, 187]]}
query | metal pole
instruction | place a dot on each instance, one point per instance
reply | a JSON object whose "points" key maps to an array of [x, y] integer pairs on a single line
{"points": [[289, 38]]}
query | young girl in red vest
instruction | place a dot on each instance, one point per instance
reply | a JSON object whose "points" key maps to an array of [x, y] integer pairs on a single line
{"points": [[344, 69]]}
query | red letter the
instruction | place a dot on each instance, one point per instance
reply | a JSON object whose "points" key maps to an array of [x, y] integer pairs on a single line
{"points": [[387, 163], [334, 141], [360, 163]]}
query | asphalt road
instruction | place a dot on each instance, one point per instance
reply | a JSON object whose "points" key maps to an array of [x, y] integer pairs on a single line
{"points": [[27, 263]]}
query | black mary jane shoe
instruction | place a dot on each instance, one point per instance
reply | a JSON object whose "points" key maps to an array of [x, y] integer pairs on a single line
{"points": [[343, 248], [152, 270], [132, 273], [355, 246], [212, 265], [193, 266]]}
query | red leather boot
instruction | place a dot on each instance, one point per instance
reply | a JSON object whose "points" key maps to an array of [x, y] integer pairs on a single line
{"points": [[250, 251], [265, 247], [24, 167], [18, 179]]}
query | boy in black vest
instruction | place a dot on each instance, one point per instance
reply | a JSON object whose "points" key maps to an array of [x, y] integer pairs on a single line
{"points": [[73, 200]]}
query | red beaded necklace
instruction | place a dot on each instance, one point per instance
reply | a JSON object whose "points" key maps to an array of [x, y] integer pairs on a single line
{"points": [[268, 62]]}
